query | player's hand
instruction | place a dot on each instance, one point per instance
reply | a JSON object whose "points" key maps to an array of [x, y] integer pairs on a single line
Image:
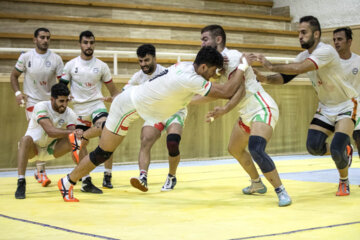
{"points": [[217, 112], [266, 64], [107, 99], [259, 76], [250, 58], [21, 100], [78, 133]]}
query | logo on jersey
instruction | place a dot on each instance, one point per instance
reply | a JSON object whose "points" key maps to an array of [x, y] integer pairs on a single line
{"points": [[48, 64], [61, 122], [355, 71], [95, 70]]}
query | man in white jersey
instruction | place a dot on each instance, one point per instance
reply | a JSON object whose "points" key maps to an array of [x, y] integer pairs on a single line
{"points": [[337, 104], [351, 64], [155, 101], [258, 116], [41, 67], [86, 75], [47, 135], [151, 132]]}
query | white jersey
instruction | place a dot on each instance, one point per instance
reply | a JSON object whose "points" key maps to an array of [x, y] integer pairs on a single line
{"points": [[162, 96], [329, 79], [40, 73], [351, 68], [86, 78], [44, 110], [252, 86], [140, 77]]}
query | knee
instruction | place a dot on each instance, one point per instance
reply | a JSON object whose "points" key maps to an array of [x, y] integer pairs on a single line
{"points": [[257, 147], [315, 143], [98, 156], [25, 141], [148, 141], [338, 149], [172, 143]]}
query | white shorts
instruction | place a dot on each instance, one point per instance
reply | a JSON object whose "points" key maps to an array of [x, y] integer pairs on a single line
{"points": [[44, 153], [331, 115], [122, 113], [179, 117], [29, 107], [260, 107], [86, 112]]}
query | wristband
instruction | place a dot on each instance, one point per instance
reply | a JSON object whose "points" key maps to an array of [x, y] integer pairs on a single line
{"points": [[243, 66], [17, 93]]}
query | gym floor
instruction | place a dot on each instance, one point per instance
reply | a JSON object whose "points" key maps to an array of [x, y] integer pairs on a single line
{"points": [[207, 203]]}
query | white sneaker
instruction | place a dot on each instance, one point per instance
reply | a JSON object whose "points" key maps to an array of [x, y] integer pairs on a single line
{"points": [[255, 187], [284, 198], [169, 184]]}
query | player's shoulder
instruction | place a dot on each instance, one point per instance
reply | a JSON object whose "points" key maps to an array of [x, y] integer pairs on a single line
{"points": [[232, 53], [325, 48], [355, 56], [55, 55], [100, 62], [43, 105]]}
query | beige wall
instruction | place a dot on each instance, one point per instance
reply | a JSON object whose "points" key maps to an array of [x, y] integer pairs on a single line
{"points": [[297, 104]]}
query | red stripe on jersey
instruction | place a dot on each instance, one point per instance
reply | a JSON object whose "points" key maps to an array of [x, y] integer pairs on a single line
{"points": [[267, 106], [314, 63], [109, 81], [206, 85], [123, 127], [30, 109], [244, 127]]}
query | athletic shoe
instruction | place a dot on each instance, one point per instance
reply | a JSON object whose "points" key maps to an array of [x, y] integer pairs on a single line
{"points": [[284, 198], [349, 153], [75, 145], [38, 176], [169, 184], [107, 181], [139, 183], [88, 186], [255, 187], [67, 194], [45, 180], [21, 188], [344, 188]]}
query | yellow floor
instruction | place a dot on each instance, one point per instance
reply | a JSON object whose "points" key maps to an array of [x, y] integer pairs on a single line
{"points": [[207, 203]]}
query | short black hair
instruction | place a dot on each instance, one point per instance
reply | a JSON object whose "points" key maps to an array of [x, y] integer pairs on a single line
{"points": [[146, 49], [313, 22], [36, 33], [347, 30], [209, 56], [215, 30], [59, 89], [87, 34]]}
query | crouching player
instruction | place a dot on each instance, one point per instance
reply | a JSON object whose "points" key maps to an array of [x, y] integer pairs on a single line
{"points": [[47, 135]]}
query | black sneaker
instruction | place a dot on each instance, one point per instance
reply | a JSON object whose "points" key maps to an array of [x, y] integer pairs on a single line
{"points": [[88, 186], [107, 181], [21, 188], [139, 183]]}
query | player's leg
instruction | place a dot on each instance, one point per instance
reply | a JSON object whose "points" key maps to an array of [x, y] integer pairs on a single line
{"points": [[174, 132], [341, 153], [237, 148], [148, 137], [26, 151], [356, 136]]}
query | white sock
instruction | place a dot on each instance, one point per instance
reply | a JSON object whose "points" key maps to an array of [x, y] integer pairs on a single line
{"points": [[256, 180], [66, 182], [21, 176], [108, 171]]}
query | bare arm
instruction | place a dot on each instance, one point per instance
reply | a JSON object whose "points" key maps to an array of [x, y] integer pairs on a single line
{"points": [[52, 131], [219, 111], [14, 80], [291, 68], [198, 99], [112, 90], [271, 79]]}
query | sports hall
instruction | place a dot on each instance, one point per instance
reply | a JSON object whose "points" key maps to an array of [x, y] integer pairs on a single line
{"points": [[207, 202]]}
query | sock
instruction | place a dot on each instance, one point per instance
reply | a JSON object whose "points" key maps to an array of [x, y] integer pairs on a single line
{"points": [[66, 182], [279, 189], [21, 176], [107, 171], [256, 180], [170, 175], [40, 166], [344, 179], [143, 172], [83, 178]]}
